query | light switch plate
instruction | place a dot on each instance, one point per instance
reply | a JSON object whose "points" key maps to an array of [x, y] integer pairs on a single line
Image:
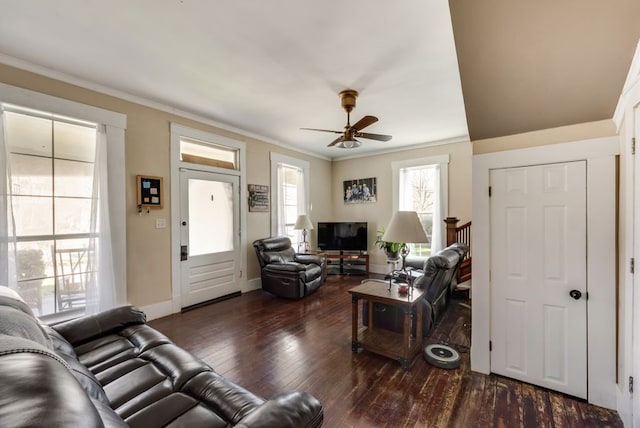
{"points": [[161, 223]]}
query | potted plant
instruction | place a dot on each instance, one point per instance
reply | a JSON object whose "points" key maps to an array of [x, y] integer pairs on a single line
{"points": [[391, 249]]}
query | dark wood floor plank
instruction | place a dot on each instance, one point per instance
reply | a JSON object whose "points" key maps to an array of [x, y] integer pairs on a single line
{"points": [[270, 345]]}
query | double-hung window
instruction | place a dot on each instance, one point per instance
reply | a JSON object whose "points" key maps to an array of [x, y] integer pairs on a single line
{"points": [[289, 181], [51, 196], [55, 230], [422, 186]]}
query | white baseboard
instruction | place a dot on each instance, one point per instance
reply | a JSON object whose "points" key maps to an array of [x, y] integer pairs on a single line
{"points": [[162, 309], [251, 284], [158, 310]]}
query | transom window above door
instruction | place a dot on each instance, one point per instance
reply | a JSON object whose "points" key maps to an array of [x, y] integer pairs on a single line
{"points": [[205, 153]]}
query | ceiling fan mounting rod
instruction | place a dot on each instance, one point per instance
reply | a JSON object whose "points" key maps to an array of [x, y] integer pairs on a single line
{"points": [[348, 97]]}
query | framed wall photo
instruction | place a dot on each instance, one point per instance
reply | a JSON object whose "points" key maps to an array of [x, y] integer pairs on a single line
{"points": [[258, 198], [360, 191], [149, 191]]}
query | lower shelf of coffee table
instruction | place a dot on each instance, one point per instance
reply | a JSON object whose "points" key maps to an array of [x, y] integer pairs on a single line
{"points": [[387, 343]]}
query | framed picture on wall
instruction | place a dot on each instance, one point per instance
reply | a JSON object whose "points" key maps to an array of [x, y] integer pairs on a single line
{"points": [[360, 191], [258, 198]]}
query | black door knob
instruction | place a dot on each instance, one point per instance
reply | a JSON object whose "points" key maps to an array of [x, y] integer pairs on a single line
{"points": [[184, 223], [576, 294]]}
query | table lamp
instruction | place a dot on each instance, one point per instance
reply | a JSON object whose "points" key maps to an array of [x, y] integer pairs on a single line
{"points": [[405, 227], [303, 223]]}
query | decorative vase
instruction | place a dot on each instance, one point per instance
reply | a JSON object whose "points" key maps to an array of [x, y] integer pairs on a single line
{"points": [[392, 255]]}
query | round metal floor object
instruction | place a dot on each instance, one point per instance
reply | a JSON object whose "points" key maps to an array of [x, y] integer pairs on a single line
{"points": [[442, 356]]}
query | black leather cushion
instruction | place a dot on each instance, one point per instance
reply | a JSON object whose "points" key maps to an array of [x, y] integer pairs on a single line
{"points": [[80, 330], [14, 322], [270, 414], [151, 382], [9, 297], [37, 389], [312, 272], [282, 256]]}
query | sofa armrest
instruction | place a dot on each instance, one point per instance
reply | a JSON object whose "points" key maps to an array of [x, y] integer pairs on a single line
{"points": [[290, 409], [308, 259], [285, 267], [80, 330]]}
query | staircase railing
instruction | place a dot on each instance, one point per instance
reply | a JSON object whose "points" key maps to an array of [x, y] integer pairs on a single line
{"points": [[461, 234]]}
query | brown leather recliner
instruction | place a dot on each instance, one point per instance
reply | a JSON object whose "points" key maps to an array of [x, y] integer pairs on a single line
{"points": [[285, 273]]}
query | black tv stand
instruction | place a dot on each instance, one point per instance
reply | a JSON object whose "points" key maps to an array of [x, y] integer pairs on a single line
{"points": [[347, 263]]}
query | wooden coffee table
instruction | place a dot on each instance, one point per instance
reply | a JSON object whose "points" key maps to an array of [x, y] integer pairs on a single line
{"points": [[400, 347]]}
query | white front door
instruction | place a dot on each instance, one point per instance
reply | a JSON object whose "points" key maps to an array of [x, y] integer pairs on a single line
{"points": [[538, 275], [209, 236]]}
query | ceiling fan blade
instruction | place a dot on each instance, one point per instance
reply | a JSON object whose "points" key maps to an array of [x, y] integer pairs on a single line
{"points": [[364, 122], [322, 130], [378, 137], [336, 141]]}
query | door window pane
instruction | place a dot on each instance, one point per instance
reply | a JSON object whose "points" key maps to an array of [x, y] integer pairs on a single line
{"points": [[210, 217]]}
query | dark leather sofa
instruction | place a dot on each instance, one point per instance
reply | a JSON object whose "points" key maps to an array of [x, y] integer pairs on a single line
{"points": [[113, 370], [437, 276], [285, 273]]}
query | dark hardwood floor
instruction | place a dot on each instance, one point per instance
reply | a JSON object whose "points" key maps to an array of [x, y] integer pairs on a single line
{"points": [[270, 345]]}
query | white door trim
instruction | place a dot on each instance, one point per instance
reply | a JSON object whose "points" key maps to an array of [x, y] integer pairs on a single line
{"points": [[178, 131], [600, 154]]}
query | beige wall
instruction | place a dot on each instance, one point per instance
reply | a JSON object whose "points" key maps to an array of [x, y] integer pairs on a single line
{"points": [[563, 134], [147, 145], [379, 213]]}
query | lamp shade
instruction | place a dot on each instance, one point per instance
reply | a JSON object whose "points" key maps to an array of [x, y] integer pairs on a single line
{"points": [[405, 227], [303, 222]]}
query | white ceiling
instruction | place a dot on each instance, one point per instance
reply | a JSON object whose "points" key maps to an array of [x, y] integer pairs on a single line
{"points": [[265, 67]]}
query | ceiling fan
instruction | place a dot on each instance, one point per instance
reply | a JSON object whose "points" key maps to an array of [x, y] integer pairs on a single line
{"points": [[348, 138]]}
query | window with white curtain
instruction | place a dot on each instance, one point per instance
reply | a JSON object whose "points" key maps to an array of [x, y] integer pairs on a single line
{"points": [[56, 249], [289, 181], [422, 186]]}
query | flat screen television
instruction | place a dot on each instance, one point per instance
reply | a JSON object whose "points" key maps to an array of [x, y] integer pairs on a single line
{"points": [[343, 236]]}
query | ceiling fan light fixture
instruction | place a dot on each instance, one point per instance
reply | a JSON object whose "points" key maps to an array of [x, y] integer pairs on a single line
{"points": [[349, 144]]}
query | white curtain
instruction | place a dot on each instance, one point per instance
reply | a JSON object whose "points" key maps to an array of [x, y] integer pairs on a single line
{"points": [[438, 231], [280, 211], [101, 283], [301, 200], [8, 275]]}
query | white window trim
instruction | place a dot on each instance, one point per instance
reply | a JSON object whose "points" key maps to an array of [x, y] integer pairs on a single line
{"points": [[115, 124], [277, 158], [178, 131]]}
